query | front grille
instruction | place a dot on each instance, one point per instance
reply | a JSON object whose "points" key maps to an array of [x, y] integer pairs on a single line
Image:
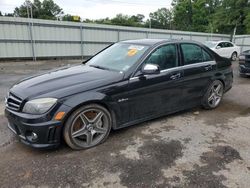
{"points": [[13, 102]]}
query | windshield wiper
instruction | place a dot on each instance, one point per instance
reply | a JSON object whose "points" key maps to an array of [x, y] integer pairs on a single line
{"points": [[99, 67]]}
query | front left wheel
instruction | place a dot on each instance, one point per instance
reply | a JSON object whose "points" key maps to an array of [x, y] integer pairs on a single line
{"points": [[87, 127]]}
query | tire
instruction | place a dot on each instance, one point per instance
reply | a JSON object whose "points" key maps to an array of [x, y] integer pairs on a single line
{"points": [[213, 95], [87, 127], [234, 56]]}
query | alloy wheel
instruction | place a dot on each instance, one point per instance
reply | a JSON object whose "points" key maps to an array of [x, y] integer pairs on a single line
{"points": [[215, 94], [89, 127]]}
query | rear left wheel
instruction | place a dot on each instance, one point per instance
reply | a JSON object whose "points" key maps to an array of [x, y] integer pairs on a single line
{"points": [[214, 95], [87, 127]]}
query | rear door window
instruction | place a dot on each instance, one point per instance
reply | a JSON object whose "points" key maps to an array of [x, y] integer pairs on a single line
{"points": [[222, 45], [191, 54], [228, 44]]}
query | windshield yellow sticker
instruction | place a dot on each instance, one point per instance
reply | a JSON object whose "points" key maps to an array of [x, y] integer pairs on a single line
{"points": [[137, 47], [132, 52]]}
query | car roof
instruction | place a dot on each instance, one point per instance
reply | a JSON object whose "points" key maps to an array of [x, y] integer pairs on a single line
{"points": [[147, 42], [218, 41], [153, 42]]}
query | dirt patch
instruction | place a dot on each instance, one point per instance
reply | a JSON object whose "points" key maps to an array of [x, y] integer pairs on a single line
{"points": [[245, 112], [214, 161], [6, 136], [146, 172]]}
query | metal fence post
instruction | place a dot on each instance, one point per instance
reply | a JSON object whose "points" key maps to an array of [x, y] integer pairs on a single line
{"points": [[31, 41], [118, 35], [243, 43], [81, 38]]}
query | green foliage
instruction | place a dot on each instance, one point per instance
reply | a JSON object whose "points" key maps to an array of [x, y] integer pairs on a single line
{"points": [[183, 14], [42, 10], [161, 19], [230, 14], [211, 15], [221, 16], [120, 19], [247, 23]]}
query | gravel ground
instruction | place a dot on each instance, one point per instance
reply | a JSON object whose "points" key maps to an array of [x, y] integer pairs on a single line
{"points": [[194, 148]]}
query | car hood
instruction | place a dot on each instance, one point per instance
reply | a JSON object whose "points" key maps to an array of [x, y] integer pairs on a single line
{"points": [[65, 81], [247, 52]]}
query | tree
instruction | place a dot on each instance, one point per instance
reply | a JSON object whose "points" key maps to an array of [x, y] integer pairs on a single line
{"points": [[9, 14], [138, 19], [201, 12], [183, 14], [50, 10], [161, 19], [125, 20], [230, 15], [247, 23], [1, 13], [42, 10], [120, 19]]}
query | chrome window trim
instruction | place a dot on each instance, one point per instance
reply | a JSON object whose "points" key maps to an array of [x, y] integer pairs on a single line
{"points": [[181, 67]]}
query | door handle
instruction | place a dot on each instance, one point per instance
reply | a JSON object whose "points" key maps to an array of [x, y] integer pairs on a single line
{"points": [[208, 67], [175, 76]]}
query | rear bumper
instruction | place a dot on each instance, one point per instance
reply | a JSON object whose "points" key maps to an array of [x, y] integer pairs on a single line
{"points": [[243, 70], [47, 132]]}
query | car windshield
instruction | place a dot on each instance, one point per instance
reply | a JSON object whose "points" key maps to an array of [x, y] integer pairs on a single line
{"points": [[210, 44], [118, 57]]}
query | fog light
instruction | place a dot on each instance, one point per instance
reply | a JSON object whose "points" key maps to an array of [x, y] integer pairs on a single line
{"points": [[31, 136]]}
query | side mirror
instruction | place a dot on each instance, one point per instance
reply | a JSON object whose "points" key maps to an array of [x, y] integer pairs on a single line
{"points": [[151, 69], [218, 47]]}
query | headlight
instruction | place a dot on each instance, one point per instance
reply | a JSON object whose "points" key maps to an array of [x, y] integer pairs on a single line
{"points": [[39, 106], [242, 57]]}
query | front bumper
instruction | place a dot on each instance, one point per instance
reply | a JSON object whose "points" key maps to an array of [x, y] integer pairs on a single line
{"points": [[47, 130], [244, 70]]}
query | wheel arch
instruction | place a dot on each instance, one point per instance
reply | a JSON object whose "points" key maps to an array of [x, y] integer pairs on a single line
{"points": [[76, 102], [221, 77], [223, 82]]}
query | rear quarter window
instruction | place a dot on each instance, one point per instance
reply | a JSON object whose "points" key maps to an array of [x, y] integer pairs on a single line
{"points": [[206, 56]]}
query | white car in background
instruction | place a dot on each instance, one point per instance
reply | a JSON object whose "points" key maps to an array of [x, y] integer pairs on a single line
{"points": [[224, 49]]}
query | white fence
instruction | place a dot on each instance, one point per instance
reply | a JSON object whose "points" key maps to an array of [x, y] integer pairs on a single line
{"points": [[25, 38], [243, 41]]}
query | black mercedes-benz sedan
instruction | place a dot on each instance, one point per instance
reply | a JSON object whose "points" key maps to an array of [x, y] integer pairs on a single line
{"points": [[125, 84], [244, 63]]}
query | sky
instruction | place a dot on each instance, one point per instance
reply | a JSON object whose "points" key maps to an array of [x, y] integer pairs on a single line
{"points": [[95, 9]]}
